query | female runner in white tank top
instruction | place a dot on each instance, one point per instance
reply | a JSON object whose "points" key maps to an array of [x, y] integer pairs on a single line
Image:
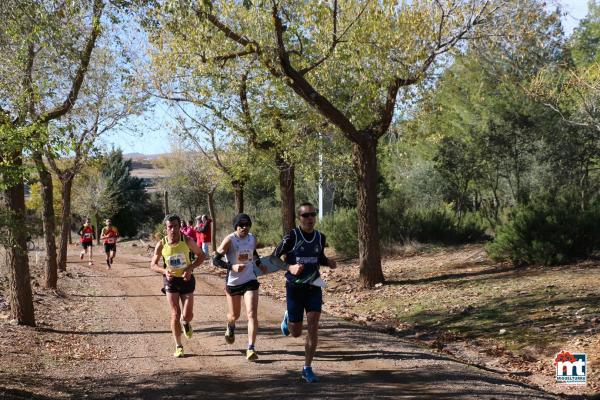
{"points": [[240, 249]]}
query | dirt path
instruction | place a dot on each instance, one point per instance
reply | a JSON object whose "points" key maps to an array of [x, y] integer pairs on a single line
{"points": [[127, 323]]}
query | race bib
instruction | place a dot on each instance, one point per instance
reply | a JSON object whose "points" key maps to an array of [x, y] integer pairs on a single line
{"points": [[111, 240], [87, 235], [176, 262], [244, 256]]}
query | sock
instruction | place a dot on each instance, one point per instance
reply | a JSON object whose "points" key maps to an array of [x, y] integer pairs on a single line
{"points": [[179, 346], [250, 347], [231, 327]]}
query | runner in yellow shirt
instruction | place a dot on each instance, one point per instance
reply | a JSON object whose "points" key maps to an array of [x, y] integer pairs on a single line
{"points": [[178, 280]]}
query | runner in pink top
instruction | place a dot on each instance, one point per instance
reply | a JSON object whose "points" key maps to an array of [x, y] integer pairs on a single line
{"points": [[187, 229]]}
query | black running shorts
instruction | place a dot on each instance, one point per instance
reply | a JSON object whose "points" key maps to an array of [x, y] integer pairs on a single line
{"points": [[178, 285], [239, 290]]}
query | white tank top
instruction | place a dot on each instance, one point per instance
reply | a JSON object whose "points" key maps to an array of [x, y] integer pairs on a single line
{"points": [[241, 251]]}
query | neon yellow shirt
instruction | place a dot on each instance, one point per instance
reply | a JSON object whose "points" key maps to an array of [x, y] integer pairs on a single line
{"points": [[177, 258]]}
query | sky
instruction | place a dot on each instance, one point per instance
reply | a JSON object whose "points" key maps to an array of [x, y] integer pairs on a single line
{"points": [[153, 128]]}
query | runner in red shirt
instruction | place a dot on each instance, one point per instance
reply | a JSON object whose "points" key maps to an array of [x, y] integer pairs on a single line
{"points": [[88, 235], [110, 234]]}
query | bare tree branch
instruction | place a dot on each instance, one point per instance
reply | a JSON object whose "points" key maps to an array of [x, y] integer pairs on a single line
{"points": [[82, 69], [335, 38], [305, 90]]}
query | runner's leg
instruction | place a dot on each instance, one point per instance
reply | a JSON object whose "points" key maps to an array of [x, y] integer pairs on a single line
{"points": [[312, 337], [295, 300], [107, 252], [187, 301], [233, 313], [173, 299], [90, 247], [251, 303], [234, 305]]}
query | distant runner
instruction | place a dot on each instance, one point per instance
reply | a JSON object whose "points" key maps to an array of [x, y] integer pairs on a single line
{"points": [[240, 249], [303, 248], [110, 235], [179, 282], [87, 236], [204, 229]]}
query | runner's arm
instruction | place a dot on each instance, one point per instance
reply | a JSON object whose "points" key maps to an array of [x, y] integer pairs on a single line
{"points": [[286, 245], [197, 251], [218, 257], [258, 263], [323, 260], [256, 258], [155, 258]]}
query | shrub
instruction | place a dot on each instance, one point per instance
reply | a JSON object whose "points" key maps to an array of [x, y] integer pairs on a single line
{"points": [[392, 211], [549, 230], [397, 224], [266, 226], [341, 231], [442, 226]]}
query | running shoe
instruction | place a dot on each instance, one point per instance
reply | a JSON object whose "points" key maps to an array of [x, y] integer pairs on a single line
{"points": [[251, 355], [230, 335], [91, 263], [187, 329], [81, 256], [308, 375], [178, 352], [108, 264], [285, 331]]}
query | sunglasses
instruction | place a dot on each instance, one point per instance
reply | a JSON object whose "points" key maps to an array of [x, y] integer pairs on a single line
{"points": [[309, 214], [244, 225]]}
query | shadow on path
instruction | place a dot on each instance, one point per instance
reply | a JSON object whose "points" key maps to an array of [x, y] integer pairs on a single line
{"points": [[367, 384]]}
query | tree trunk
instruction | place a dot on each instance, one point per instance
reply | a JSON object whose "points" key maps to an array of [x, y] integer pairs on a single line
{"points": [[65, 230], [166, 202], [287, 193], [48, 222], [97, 217], [238, 189], [20, 296], [583, 183], [364, 156], [211, 210]]}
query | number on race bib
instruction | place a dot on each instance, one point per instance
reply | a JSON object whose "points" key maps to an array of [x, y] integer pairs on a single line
{"points": [[177, 261]]}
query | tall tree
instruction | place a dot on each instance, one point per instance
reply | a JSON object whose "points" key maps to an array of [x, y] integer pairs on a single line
{"points": [[571, 89], [129, 197], [43, 69], [348, 61], [107, 99]]}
